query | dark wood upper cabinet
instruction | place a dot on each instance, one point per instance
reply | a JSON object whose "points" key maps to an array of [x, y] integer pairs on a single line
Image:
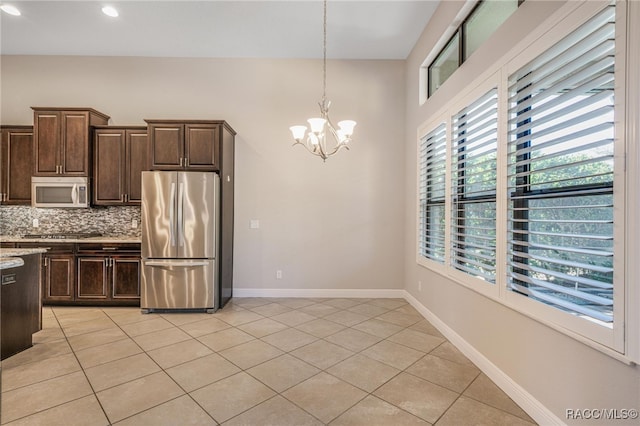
{"points": [[16, 165], [62, 140], [120, 156], [201, 147], [184, 144], [136, 162]]}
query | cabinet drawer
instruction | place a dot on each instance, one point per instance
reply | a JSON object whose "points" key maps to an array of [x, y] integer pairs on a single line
{"points": [[108, 248]]}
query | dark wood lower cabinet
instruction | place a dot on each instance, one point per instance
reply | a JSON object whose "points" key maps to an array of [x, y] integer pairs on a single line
{"points": [[90, 273], [109, 278], [92, 278], [126, 278], [59, 277]]}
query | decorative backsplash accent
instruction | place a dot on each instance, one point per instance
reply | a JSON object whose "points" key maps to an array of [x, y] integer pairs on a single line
{"points": [[109, 221]]}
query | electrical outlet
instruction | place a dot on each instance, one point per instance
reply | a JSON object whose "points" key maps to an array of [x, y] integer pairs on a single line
{"points": [[254, 224], [419, 285], [134, 224], [279, 274], [36, 223]]}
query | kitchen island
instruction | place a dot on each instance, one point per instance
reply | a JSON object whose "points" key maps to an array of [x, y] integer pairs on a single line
{"points": [[20, 299]]}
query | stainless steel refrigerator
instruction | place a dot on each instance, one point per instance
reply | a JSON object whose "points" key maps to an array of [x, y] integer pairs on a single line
{"points": [[179, 241]]}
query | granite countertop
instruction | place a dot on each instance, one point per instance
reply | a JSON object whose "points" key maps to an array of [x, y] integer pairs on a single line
{"points": [[11, 252], [10, 258], [19, 239], [10, 262]]}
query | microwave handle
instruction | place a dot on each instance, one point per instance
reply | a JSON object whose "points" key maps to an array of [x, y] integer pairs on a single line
{"points": [[74, 194]]}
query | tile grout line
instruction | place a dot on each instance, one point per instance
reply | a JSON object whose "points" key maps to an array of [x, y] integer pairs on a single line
{"points": [[164, 371], [325, 370], [269, 316]]}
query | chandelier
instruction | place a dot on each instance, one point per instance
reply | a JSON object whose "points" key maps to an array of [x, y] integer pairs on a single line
{"points": [[321, 128]]}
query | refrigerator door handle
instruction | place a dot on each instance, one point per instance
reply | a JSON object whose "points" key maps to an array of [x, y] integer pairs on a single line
{"points": [[172, 213], [176, 263], [181, 214]]}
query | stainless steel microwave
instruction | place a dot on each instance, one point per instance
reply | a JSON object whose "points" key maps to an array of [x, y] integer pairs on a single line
{"points": [[59, 192]]}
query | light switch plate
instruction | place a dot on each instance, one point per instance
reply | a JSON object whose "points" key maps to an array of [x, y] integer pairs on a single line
{"points": [[255, 224]]}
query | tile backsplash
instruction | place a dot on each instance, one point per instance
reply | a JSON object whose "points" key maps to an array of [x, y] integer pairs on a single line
{"points": [[109, 221]]}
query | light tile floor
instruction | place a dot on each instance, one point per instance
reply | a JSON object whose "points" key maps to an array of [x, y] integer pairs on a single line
{"points": [[258, 361]]}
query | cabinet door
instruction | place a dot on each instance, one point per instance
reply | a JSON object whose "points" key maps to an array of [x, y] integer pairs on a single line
{"points": [[109, 164], [92, 277], [201, 146], [166, 146], [75, 143], [136, 163], [19, 156], [126, 277], [59, 277], [46, 143]]}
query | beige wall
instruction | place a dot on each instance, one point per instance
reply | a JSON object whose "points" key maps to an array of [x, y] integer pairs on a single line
{"points": [[336, 225], [558, 371]]}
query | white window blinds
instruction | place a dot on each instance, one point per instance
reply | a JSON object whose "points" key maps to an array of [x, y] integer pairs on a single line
{"points": [[432, 166], [561, 171], [473, 161]]}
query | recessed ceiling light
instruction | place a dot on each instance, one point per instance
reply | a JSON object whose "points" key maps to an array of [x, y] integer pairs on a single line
{"points": [[110, 11], [11, 10]]}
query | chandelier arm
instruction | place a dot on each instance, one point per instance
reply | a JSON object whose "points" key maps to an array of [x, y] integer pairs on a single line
{"points": [[321, 146], [309, 149]]}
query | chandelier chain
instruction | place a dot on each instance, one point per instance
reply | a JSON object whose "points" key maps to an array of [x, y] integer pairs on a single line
{"points": [[324, 55]]}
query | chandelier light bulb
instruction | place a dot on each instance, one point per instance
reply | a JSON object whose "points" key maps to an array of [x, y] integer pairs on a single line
{"points": [[298, 132], [347, 127], [317, 124]]}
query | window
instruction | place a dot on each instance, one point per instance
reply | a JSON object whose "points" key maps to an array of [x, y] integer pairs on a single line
{"points": [[445, 64], [542, 179], [432, 194], [473, 162], [481, 22], [561, 169]]}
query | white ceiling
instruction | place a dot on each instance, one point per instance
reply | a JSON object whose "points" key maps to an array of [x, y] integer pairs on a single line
{"points": [[357, 29]]}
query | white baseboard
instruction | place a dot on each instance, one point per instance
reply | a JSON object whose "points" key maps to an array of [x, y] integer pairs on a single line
{"points": [[524, 399], [320, 292]]}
